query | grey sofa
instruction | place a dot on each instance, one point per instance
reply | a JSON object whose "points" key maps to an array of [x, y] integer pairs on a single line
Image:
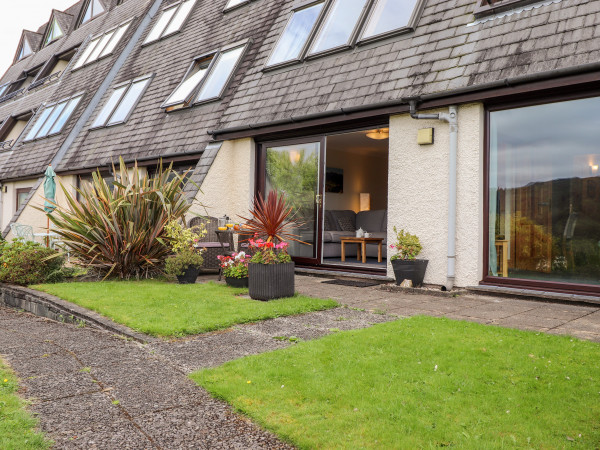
{"points": [[374, 222]]}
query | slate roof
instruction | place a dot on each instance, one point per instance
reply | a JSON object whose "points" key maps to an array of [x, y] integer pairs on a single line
{"points": [[30, 159], [448, 50]]}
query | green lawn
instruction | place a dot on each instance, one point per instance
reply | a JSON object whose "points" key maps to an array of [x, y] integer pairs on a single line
{"points": [[166, 309], [422, 383], [17, 427]]}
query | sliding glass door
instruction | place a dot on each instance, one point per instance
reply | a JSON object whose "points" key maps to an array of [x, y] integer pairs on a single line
{"points": [[294, 168]]}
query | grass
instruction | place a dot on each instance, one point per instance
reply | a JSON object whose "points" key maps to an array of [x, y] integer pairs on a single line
{"points": [[165, 309], [17, 427], [421, 383]]}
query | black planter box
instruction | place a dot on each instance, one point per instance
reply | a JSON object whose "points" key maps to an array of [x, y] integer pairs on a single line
{"points": [[189, 276], [237, 282], [410, 269], [271, 281]]}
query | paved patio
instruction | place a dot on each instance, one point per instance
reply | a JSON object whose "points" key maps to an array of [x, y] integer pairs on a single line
{"points": [[92, 389]]}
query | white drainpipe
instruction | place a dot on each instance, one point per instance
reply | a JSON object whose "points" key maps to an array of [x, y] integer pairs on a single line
{"points": [[452, 118]]}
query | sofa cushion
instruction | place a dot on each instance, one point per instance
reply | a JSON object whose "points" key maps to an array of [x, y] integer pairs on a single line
{"points": [[345, 224], [372, 221], [336, 235], [338, 214]]}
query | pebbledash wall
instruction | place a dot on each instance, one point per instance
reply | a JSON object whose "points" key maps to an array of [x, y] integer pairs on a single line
{"points": [[418, 191]]}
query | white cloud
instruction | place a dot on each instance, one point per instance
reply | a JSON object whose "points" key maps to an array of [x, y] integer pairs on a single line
{"points": [[23, 15]]}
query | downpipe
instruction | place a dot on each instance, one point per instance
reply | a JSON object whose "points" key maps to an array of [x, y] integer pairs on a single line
{"points": [[451, 117]]}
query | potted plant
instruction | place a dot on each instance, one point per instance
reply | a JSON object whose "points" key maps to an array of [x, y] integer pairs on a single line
{"points": [[404, 262], [235, 269], [186, 259], [271, 270]]}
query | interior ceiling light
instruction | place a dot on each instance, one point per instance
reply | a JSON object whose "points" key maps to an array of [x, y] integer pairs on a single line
{"points": [[382, 133]]}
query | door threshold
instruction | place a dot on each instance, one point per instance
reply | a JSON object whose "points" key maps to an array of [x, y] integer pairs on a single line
{"points": [[327, 272], [534, 294]]}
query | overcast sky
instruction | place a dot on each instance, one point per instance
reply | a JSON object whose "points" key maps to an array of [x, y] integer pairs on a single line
{"points": [[22, 15]]}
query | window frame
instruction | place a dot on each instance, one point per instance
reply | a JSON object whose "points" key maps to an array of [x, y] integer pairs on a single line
{"points": [[18, 192], [80, 21], [129, 84], [41, 110], [83, 49], [309, 39], [176, 5], [328, 9], [485, 9], [7, 126], [408, 28], [45, 42], [243, 3], [196, 90]]}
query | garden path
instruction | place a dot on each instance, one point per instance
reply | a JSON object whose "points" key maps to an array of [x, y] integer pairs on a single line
{"points": [[95, 390]]}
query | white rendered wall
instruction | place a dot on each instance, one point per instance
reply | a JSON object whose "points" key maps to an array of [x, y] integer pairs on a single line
{"points": [[418, 192], [228, 188]]}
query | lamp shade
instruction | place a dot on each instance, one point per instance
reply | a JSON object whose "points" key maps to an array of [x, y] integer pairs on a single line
{"points": [[380, 134], [365, 201]]}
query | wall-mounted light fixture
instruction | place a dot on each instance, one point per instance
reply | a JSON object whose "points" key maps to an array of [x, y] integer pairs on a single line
{"points": [[379, 134], [365, 201]]}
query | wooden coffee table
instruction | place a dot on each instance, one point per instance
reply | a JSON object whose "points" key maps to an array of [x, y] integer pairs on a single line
{"points": [[362, 247]]}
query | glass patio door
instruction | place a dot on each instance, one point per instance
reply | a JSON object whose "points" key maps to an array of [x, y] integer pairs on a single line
{"points": [[295, 168]]}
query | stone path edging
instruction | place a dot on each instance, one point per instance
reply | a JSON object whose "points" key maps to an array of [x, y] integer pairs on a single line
{"points": [[51, 307]]}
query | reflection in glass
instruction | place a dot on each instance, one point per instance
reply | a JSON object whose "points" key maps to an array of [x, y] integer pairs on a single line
{"points": [[58, 109], [339, 25], [295, 35], [39, 123], [109, 107], [220, 74], [389, 15], [64, 117], [128, 102], [544, 192], [293, 170], [161, 24]]}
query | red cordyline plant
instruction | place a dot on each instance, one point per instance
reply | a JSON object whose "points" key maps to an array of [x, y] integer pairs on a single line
{"points": [[273, 220]]}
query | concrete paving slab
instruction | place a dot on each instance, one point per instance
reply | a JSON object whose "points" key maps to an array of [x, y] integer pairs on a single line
{"points": [[494, 311]]}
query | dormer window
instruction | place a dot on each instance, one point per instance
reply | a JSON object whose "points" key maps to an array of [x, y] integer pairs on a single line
{"points": [[54, 32], [171, 20], [53, 118], [489, 7], [12, 128], [4, 88], [25, 50], [102, 45], [94, 9], [206, 79]]}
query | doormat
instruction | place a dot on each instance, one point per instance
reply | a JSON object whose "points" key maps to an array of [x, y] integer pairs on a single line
{"points": [[360, 284]]}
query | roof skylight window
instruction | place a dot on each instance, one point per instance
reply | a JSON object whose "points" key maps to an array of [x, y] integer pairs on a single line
{"points": [[296, 34], [94, 9], [233, 3], [389, 15], [122, 102], [339, 25], [208, 76], [53, 118], [102, 46], [171, 20], [54, 33]]}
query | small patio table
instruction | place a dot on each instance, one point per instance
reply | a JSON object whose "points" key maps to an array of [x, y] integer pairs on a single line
{"points": [[362, 247]]}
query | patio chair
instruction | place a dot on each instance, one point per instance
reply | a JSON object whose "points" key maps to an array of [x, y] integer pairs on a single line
{"points": [[210, 242], [24, 232]]}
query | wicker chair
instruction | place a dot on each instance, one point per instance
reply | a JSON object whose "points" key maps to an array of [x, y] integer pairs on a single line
{"points": [[210, 242]]}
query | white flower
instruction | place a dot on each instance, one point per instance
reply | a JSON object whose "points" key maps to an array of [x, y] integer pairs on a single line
{"points": [[435, 368]]}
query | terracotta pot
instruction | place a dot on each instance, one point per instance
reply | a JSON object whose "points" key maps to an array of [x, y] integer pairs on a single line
{"points": [[271, 281]]}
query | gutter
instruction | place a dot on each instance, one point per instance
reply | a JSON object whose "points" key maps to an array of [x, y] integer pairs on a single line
{"points": [[506, 82]]}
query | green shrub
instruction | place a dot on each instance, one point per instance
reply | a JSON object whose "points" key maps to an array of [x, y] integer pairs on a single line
{"points": [[119, 229], [178, 264], [27, 263]]}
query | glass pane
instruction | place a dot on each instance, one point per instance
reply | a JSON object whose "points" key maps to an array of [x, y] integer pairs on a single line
{"points": [[64, 117], [183, 92], [339, 25], [128, 102], [545, 192], [293, 170], [180, 17], [232, 3], [220, 74], [100, 47], [88, 14], [109, 107], [389, 15], [52, 119], [160, 26], [296, 33], [39, 123], [86, 54], [115, 40], [3, 89]]}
